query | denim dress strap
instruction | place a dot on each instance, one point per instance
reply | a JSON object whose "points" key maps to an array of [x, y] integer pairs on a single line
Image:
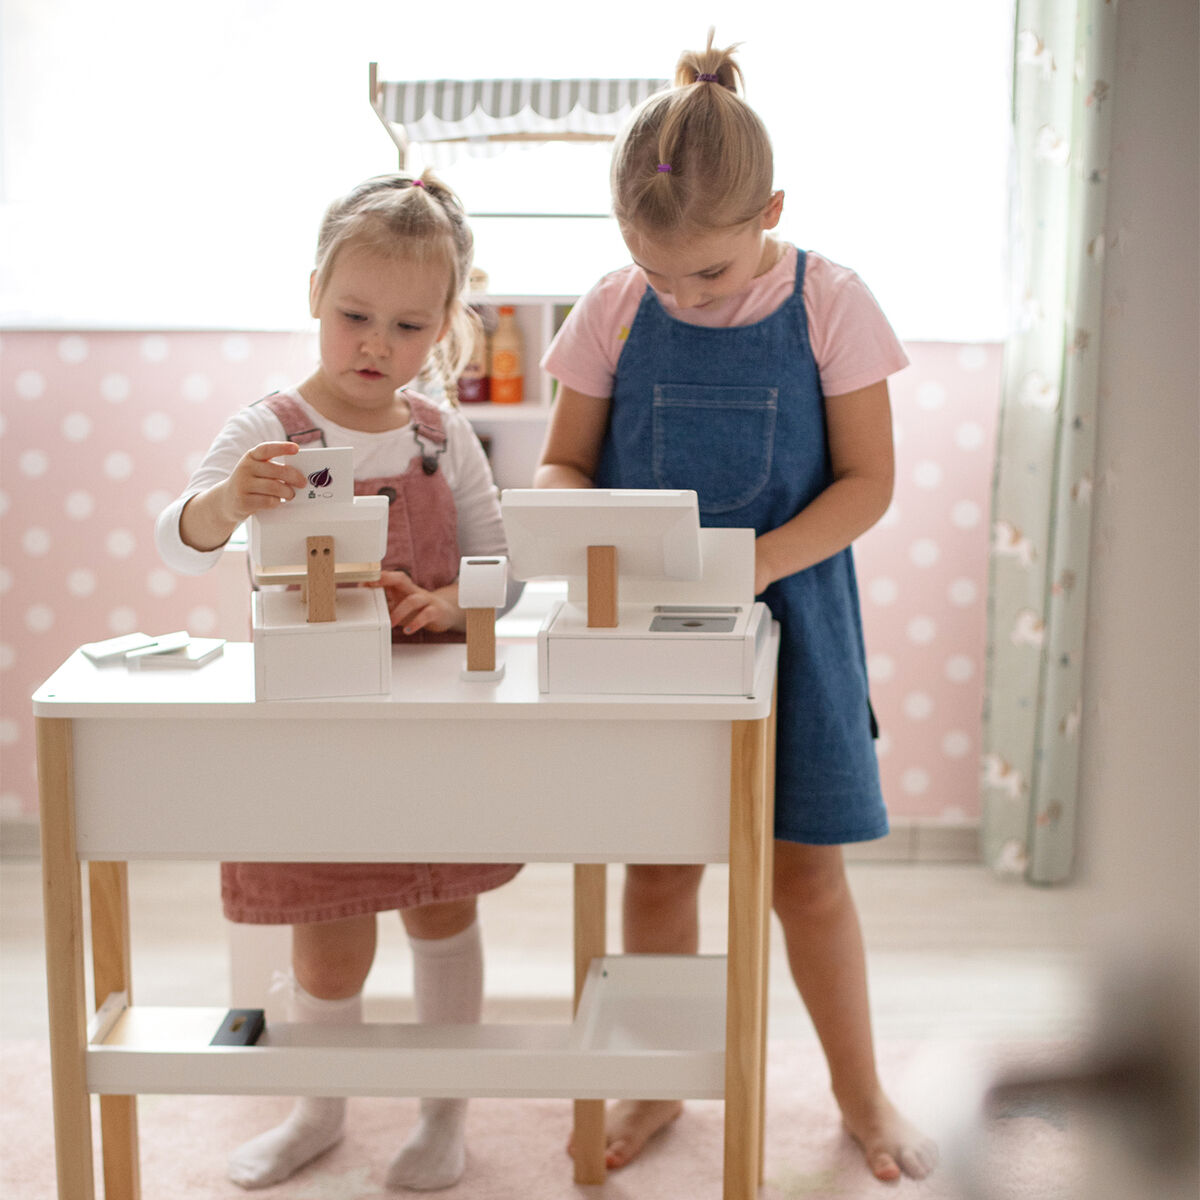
{"points": [[738, 415]]}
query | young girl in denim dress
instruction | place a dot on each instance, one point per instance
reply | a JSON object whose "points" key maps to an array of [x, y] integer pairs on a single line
{"points": [[734, 364]]}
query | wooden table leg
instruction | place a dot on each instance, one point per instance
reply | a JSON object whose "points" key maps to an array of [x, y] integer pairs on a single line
{"points": [[590, 942], [63, 910], [750, 844], [768, 901], [108, 886]]}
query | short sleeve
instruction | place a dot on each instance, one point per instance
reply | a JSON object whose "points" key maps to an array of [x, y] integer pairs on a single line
{"points": [[852, 341]]}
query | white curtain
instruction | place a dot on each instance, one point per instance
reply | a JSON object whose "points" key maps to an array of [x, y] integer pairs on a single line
{"points": [[1041, 502]]}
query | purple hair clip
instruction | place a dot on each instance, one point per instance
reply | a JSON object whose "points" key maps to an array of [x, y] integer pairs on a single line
{"points": [[663, 168], [708, 78]]}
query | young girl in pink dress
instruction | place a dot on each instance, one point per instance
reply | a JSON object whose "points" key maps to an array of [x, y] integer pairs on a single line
{"points": [[392, 262]]}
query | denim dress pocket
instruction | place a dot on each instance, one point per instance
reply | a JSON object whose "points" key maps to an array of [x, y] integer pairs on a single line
{"points": [[717, 441]]}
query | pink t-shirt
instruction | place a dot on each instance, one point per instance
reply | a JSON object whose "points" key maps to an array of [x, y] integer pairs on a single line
{"points": [[851, 339]]}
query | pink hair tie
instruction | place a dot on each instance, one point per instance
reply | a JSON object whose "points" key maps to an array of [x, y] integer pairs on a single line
{"points": [[418, 183], [708, 79], [663, 168]]}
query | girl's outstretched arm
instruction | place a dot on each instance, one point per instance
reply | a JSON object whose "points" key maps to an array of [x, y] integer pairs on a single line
{"points": [[859, 426], [573, 440], [256, 484]]}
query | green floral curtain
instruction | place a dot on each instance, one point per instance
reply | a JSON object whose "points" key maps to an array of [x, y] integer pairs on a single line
{"points": [[1042, 490]]}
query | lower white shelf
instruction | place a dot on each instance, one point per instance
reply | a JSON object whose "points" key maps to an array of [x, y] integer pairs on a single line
{"points": [[648, 1025]]}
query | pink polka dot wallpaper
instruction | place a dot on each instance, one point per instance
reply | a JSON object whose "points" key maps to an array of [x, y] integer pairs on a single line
{"points": [[99, 430]]}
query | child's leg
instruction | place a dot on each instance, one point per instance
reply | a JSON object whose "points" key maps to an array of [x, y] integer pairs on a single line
{"points": [[330, 962], [660, 916], [448, 989], [828, 963]]}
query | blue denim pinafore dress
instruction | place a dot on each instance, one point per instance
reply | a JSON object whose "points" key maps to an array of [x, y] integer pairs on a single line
{"points": [[738, 416]]}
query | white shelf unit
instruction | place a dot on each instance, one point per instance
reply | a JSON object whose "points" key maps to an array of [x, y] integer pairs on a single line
{"points": [[645, 1025], [515, 431]]}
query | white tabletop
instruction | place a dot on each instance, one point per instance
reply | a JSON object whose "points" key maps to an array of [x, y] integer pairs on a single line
{"points": [[426, 681]]}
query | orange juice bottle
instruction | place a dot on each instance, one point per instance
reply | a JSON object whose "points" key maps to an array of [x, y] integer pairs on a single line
{"points": [[507, 367]]}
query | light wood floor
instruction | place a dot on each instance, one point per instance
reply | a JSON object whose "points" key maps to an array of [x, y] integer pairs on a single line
{"points": [[953, 951]]}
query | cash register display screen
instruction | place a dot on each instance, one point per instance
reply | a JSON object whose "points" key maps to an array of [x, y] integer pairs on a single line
{"points": [[656, 533]]}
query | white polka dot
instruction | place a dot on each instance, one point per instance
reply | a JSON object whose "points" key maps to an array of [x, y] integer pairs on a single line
{"points": [[960, 668], [122, 620], [30, 384], [915, 781], [275, 383], [969, 436], [197, 388], [77, 427], [202, 621], [81, 582], [4, 504], [120, 543], [924, 552], [39, 618], [160, 582], [8, 733], [927, 474], [972, 358], [883, 744], [963, 593], [118, 466], [36, 541], [235, 348], [3, 424], [155, 502], [883, 591], [7, 657], [11, 806], [115, 387], [891, 518], [79, 505], [157, 427], [956, 744], [931, 394], [966, 514], [881, 668], [899, 434], [155, 348], [73, 349], [921, 630], [6, 581], [34, 463], [918, 706]]}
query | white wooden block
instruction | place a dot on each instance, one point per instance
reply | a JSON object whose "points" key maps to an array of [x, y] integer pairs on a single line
{"points": [[296, 660], [482, 581]]}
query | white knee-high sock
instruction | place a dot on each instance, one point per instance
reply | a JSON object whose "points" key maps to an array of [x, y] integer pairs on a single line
{"points": [[315, 1124], [448, 989]]}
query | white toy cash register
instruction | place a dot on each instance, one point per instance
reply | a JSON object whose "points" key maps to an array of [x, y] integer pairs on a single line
{"points": [[655, 604], [318, 640]]}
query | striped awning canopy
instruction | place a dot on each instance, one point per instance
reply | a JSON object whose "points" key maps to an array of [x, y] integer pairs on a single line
{"points": [[480, 115]]}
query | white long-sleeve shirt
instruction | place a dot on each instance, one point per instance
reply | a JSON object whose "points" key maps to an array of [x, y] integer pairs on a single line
{"points": [[480, 530]]}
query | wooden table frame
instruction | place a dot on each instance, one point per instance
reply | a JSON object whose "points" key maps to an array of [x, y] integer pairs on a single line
{"points": [[86, 717]]}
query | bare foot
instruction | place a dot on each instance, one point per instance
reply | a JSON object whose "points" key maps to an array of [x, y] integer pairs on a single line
{"points": [[631, 1124], [891, 1145]]}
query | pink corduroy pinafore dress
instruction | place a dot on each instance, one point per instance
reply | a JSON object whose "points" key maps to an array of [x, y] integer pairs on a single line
{"points": [[422, 541]]}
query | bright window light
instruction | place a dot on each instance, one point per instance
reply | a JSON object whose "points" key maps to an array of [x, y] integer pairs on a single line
{"points": [[165, 166]]}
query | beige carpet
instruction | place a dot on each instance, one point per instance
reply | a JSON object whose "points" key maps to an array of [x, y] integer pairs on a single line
{"points": [[516, 1147]]}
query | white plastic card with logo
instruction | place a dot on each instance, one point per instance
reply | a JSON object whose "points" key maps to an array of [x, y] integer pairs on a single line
{"points": [[329, 471]]}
